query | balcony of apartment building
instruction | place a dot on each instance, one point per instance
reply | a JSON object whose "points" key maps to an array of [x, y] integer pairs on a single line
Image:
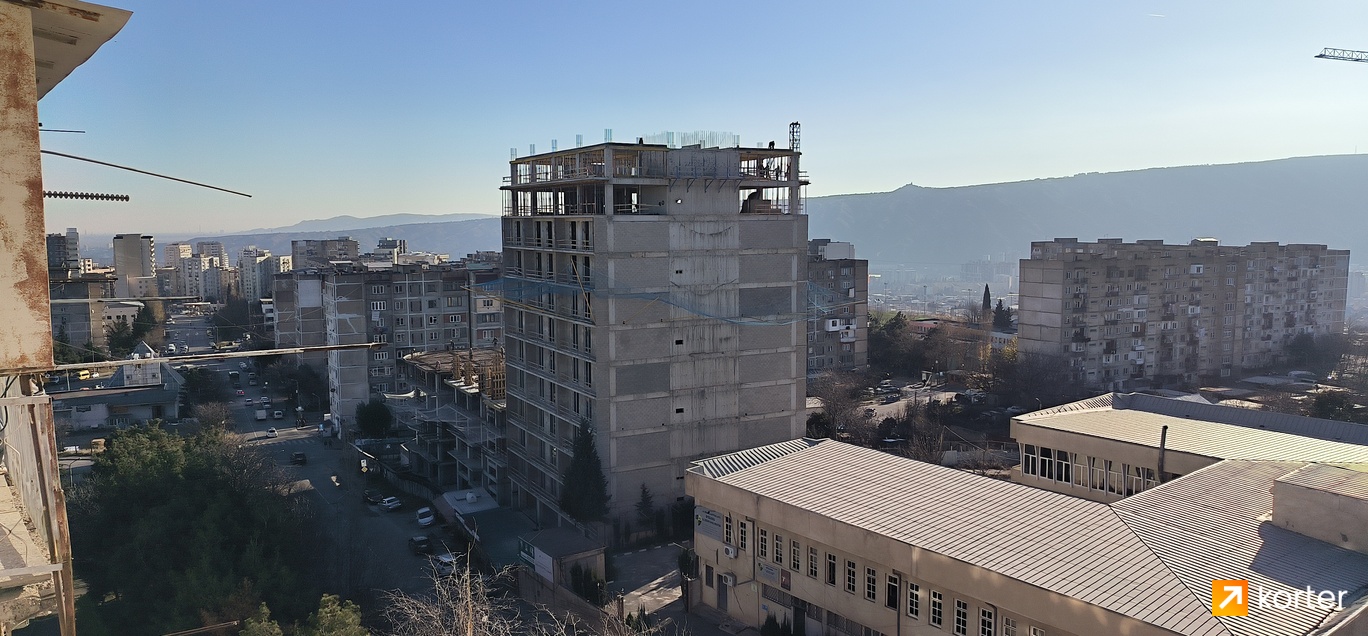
{"points": [[559, 376], [578, 279]]}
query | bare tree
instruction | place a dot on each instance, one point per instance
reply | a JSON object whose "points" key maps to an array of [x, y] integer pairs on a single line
{"points": [[214, 415], [462, 604], [840, 395]]}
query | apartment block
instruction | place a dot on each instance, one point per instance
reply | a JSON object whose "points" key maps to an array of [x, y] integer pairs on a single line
{"points": [[82, 321], [403, 309], [1127, 315], [135, 257], [657, 294], [63, 254], [838, 316], [848, 540], [310, 254]]}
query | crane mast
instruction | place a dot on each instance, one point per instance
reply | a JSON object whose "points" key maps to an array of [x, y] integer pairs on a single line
{"points": [[1344, 54]]}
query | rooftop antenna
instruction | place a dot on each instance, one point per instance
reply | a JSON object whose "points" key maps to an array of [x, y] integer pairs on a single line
{"points": [[793, 136], [531, 149], [579, 140], [553, 145], [607, 134]]}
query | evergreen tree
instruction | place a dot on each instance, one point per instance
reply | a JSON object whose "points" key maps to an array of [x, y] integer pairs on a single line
{"points": [[1002, 316], [120, 337], [374, 418], [645, 507], [987, 304], [585, 495]]}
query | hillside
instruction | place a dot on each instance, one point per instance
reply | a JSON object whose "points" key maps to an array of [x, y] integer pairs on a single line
{"points": [[1299, 200]]}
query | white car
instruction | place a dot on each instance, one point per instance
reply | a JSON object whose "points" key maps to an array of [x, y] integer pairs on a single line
{"points": [[425, 517], [242, 365], [445, 564], [271, 432], [390, 503]]}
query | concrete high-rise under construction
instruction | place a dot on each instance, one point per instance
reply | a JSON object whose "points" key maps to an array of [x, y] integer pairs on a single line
{"points": [[657, 294]]}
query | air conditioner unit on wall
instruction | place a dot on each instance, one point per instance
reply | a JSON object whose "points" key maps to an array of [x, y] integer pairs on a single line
{"points": [[727, 578], [729, 551]]}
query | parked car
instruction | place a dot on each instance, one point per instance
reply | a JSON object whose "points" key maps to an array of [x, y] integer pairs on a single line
{"points": [[869, 412], [425, 517], [242, 365], [264, 400], [1016, 410], [889, 399], [279, 415], [271, 432], [445, 564], [391, 503], [420, 544], [298, 458], [247, 401], [371, 496]]}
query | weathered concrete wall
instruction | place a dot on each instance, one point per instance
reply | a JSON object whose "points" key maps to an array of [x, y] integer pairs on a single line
{"points": [[25, 335]]}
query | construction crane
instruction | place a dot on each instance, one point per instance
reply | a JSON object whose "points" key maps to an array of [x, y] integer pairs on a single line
{"points": [[1343, 54]]}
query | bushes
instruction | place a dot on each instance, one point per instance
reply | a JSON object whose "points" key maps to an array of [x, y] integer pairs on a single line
{"points": [[588, 586]]}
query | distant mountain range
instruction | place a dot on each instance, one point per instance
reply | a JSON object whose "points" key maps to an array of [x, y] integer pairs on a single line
{"points": [[1299, 200]]}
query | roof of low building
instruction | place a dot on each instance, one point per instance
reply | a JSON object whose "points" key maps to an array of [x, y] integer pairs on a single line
{"points": [[1209, 430], [1151, 556]]}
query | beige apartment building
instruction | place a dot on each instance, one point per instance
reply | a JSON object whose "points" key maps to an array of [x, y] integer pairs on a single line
{"points": [[658, 294], [838, 313], [854, 541], [1131, 315]]}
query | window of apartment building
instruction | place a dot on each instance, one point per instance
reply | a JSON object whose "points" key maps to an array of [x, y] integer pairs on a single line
{"points": [[961, 618], [1028, 459], [850, 576], [1062, 462], [485, 319], [1009, 626], [486, 302], [434, 336], [382, 355], [453, 301], [913, 600], [795, 556], [741, 528], [449, 334], [727, 531], [377, 305], [778, 548], [871, 584], [891, 593], [708, 575], [1037, 631], [487, 334], [432, 320], [400, 321], [398, 289], [937, 609], [379, 388], [812, 562], [985, 621], [831, 569], [380, 337], [377, 289], [762, 545], [454, 318], [401, 337]]}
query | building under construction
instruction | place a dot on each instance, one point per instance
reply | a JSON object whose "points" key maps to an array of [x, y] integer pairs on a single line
{"points": [[657, 294]]}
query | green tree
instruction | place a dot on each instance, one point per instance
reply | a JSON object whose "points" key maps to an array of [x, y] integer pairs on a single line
{"points": [[178, 532], [987, 308], [645, 508], [120, 337], [585, 494], [1002, 316], [261, 624], [335, 617], [374, 418], [203, 386]]}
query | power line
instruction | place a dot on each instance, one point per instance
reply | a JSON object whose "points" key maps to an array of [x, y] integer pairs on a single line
{"points": [[114, 165]]}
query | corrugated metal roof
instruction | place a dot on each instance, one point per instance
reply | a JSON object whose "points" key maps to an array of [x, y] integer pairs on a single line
{"points": [[723, 465], [1060, 543], [1341, 481], [1218, 440], [1213, 524], [1187, 409]]}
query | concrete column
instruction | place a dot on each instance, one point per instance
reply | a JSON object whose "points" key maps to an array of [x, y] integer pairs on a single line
{"points": [[608, 187], [25, 333]]}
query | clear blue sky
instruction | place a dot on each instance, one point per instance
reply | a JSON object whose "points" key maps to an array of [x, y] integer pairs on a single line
{"points": [[321, 109]]}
